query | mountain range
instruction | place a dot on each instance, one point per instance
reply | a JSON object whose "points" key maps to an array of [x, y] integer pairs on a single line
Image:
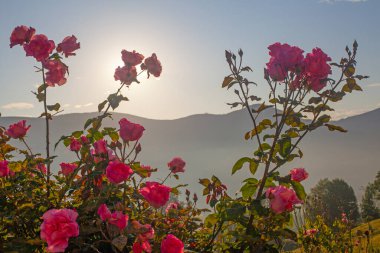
{"points": [[211, 144]]}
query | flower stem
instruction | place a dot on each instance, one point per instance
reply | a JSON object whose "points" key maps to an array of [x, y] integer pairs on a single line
{"points": [[47, 137]]}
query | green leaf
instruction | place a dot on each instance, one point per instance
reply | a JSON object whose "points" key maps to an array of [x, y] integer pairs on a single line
{"points": [[315, 100], [239, 164], [248, 189], [299, 189], [88, 122], [253, 165], [335, 128], [77, 134], [227, 80], [101, 105], [285, 146], [211, 220], [205, 182], [54, 107]]}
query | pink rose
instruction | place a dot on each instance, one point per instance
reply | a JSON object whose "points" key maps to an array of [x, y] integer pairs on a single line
{"points": [[147, 234], [131, 58], [140, 247], [172, 244], [104, 212], [100, 147], [298, 174], [4, 170], [56, 72], [40, 47], [172, 205], [75, 145], [152, 65], [284, 58], [130, 131], [84, 140], [21, 34], [125, 74], [17, 130], [68, 168], [118, 219], [156, 194], [275, 70], [177, 165], [282, 199], [58, 226], [41, 167], [311, 232], [118, 172], [317, 69], [68, 46]]}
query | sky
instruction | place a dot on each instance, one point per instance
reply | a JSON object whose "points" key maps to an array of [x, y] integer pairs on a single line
{"points": [[189, 38]]}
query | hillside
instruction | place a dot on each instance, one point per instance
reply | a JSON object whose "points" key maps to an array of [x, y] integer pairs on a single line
{"points": [[211, 144]]}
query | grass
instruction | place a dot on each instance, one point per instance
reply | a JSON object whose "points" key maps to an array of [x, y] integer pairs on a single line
{"points": [[358, 233]]}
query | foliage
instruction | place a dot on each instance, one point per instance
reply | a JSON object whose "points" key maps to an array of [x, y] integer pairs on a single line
{"points": [[329, 199], [369, 210]]}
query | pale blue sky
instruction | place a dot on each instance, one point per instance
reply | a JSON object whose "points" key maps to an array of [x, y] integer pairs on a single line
{"points": [[189, 37]]}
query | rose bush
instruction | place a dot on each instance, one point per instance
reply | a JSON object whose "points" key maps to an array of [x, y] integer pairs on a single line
{"points": [[71, 211]]}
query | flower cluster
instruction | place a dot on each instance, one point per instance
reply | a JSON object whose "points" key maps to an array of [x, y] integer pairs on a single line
{"points": [[41, 48], [128, 73], [288, 62]]}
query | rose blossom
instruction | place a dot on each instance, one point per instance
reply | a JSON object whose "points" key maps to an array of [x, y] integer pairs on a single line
{"points": [[17, 130], [152, 65], [68, 46], [21, 34], [282, 199], [156, 194], [298, 174], [131, 58], [84, 140], [130, 131], [125, 74], [41, 167], [284, 58], [140, 247], [68, 168], [56, 72], [58, 226], [147, 234], [317, 69], [4, 169], [172, 244], [75, 145], [172, 205], [104, 212], [311, 232], [118, 172], [118, 219], [100, 147], [39, 47], [177, 165]]}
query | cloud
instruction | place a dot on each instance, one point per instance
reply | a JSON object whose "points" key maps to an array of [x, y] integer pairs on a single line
{"points": [[374, 85], [84, 105], [342, 114], [335, 1], [18, 106]]}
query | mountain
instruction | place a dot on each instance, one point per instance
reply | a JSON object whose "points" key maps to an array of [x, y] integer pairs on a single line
{"points": [[211, 144]]}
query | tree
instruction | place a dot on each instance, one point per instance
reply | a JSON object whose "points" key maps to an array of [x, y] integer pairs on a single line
{"points": [[369, 210], [330, 199]]}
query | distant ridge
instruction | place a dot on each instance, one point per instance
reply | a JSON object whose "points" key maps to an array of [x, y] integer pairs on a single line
{"points": [[211, 143]]}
